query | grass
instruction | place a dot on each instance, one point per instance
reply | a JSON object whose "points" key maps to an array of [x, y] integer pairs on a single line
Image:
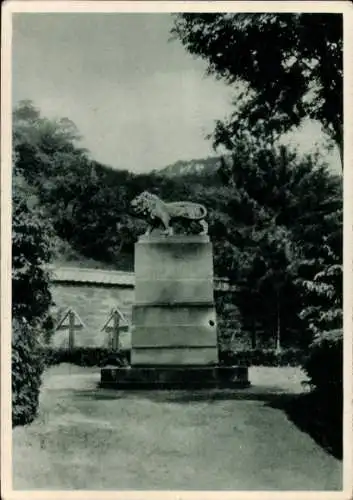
{"points": [[89, 438]]}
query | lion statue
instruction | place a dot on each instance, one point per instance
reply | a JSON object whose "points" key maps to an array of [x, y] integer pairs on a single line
{"points": [[158, 211]]}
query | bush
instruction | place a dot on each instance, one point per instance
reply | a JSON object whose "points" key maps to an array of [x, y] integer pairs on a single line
{"points": [[31, 251], [324, 362], [262, 357], [324, 367], [31, 297], [27, 368], [86, 356]]}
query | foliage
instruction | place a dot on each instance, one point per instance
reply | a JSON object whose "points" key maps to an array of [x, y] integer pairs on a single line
{"points": [[31, 298], [285, 67], [31, 250], [263, 357], [292, 217], [85, 356], [86, 202], [229, 323], [27, 368], [324, 363], [281, 75]]}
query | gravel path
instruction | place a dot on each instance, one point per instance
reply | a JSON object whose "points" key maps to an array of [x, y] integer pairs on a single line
{"points": [[95, 439]]}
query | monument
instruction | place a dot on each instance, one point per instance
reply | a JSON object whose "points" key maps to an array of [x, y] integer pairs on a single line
{"points": [[174, 325]]}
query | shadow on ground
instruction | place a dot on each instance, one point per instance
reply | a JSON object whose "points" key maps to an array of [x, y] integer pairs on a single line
{"points": [[317, 415]]}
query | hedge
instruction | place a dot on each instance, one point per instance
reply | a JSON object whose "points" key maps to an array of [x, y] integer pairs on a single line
{"points": [[101, 356], [262, 357], [322, 362], [27, 368], [85, 356], [323, 366]]}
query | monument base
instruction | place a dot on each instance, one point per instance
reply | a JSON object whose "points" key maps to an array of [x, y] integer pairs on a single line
{"points": [[174, 377]]}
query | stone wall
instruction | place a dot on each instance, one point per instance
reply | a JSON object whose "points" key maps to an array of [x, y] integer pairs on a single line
{"points": [[93, 303], [92, 294]]}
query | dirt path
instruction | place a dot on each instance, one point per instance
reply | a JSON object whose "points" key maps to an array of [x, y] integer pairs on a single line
{"points": [[89, 438]]}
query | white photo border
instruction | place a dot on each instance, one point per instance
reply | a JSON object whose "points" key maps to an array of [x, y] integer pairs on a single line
{"points": [[27, 6]]}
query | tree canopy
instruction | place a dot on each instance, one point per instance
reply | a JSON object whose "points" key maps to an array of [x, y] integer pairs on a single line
{"points": [[285, 67]]}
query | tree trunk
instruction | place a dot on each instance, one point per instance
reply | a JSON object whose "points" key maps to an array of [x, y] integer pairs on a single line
{"points": [[253, 335]]}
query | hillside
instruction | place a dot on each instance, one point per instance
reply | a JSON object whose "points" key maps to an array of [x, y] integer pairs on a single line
{"points": [[66, 256], [202, 170], [195, 167]]}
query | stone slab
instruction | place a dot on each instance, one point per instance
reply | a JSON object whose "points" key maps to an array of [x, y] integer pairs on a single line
{"points": [[174, 355], [200, 315], [174, 377], [173, 335], [176, 291], [170, 260], [157, 237]]}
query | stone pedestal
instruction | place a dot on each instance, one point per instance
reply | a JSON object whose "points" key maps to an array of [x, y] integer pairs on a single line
{"points": [[174, 319], [174, 377], [174, 326]]}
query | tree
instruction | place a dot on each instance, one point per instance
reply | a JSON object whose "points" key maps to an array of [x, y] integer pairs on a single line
{"points": [[321, 279], [285, 67], [271, 225], [43, 146]]}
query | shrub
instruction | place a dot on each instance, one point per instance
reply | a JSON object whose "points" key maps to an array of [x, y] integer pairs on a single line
{"points": [[31, 251], [262, 357], [324, 362], [27, 368], [86, 356], [324, 367], [31, 298]]}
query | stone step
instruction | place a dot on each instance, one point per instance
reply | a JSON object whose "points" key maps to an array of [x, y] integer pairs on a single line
{"points": [[174, 377], [178, 355]]}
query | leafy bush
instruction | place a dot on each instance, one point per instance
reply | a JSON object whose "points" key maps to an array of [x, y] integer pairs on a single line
{"points": [[324, 367], [324, 362], [262, 357], [86, 356], [27, 368], [31, 298], [31, 250]]}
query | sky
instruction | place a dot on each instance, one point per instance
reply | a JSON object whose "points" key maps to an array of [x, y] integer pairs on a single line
{"points": [[139, 100]]}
